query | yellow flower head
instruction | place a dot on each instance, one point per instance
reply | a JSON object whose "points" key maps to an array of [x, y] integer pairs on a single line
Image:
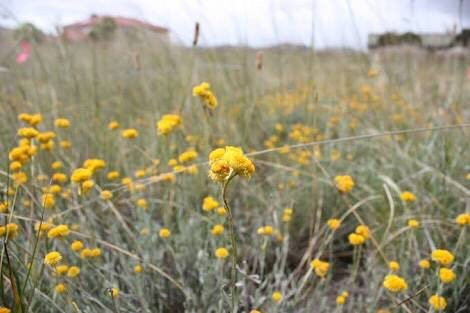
{"points": [[80, 175], [413, 224], [106, 195], [62, 123], [394, 283], [137, 269], [221, 253], [27, 132], [356, 239], [443, 257], [73, 271], [227, 161], [265, 230], [76, 245], [424, 264], [52, 258], [217, 230], [4, 310], [344, 183], [446, 275], [437, 302], [187, 156], [164, 232], [129, 133], [333, 223], [340, 300], [393, 266], [209, 203], [10, 230], [205, 94], [276, 296], [59, 231], [287, 215], [363, 230], [167, 123], [463, 219], [407, 196], [60, 288], [94, 164], [113, 125], [320, 267], [114, 292], [112, 175]]}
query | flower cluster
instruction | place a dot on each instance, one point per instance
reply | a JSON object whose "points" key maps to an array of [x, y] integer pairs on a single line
{"points": [[204, 92], [224, 162], [167, 123]]}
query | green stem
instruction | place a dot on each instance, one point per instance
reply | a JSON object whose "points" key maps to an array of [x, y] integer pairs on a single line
{"points": [[233, 278]]}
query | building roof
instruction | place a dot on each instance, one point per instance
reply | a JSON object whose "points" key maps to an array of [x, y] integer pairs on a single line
{"points": [[120, 22]]}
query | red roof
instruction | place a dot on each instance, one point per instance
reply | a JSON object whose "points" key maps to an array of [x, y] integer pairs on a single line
{"points": [[120, 22]]}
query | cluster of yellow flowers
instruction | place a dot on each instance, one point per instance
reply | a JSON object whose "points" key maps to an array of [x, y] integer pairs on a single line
{"points": [[167, 123], [204, 92], [344, 183], [227, 162], [320, 267], [360, 235]]}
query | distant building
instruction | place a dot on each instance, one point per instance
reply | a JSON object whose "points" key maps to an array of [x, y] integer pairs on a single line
{"points": [[80, 31], [431, 41]]}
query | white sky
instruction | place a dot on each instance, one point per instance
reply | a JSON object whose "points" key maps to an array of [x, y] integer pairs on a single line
{"points": [[331, 23]]}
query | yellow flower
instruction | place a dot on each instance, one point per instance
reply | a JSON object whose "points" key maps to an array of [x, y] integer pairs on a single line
{"points": [[407, 196], [413, 224], [76, 245], [393, 266], [139, 174], [276, 296], [45, 137], [19, 178], [62, 123], [363, 230], [443, 257], [65, 144], [52, 258], [59, 177], [113, 125], [164, 232], [227, 161], [48, 200], [252, 311], [167, 123], [94, 164], [394, 283], [205, 94], [27, 132], [95, 252], [114, 292], [356, 239], [60, 288], [187, 156], [265, 230], [287, 215], [60, 269], [86, 186], [340, 300], [221, 211], [142, 203], [112, 175], [424, 264], [221, 253], [463, 219], [15, 165], [73, 271], [80, 175], [209, 203], [217, 230], [4, 310], [320, 267], [129, 133], [106, 195], [10, 230], [437, 302], [56, 165], [333, 223], [344, 183], [59, 231], [446, 275], [137, 269]]}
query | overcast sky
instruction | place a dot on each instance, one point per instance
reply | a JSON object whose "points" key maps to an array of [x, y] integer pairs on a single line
{"points": [[329, 23]]}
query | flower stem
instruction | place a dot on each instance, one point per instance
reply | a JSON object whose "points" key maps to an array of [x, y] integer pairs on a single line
{"points": [[233, 278]]}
